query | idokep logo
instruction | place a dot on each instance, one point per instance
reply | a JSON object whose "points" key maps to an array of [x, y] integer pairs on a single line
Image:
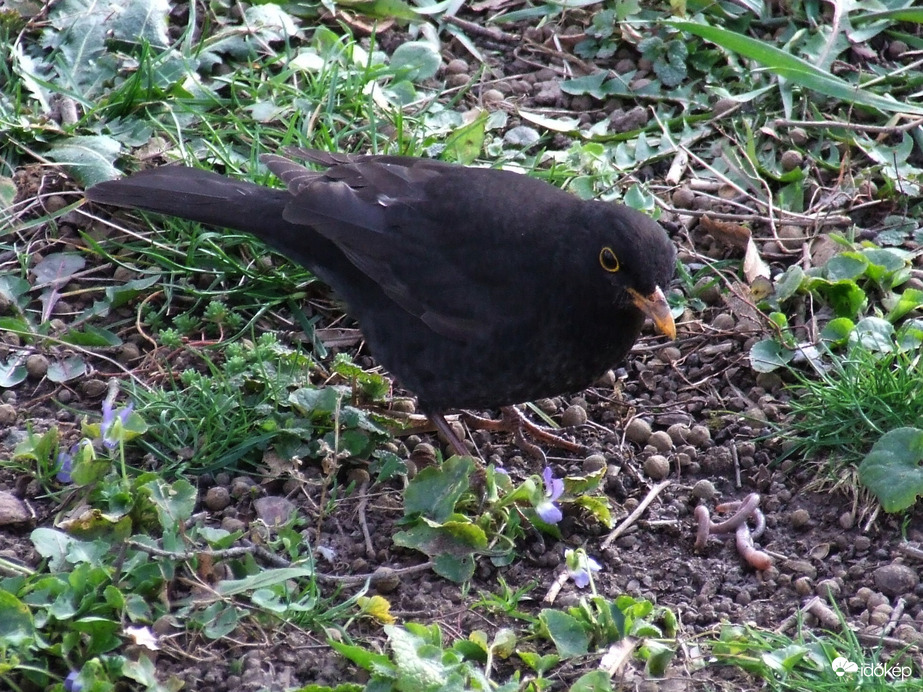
{"points": [[841, 666]]}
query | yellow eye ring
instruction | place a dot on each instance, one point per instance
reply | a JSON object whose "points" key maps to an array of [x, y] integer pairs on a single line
{"points": [[608, 260]]}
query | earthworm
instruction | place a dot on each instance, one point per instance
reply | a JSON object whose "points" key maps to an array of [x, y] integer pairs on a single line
{"points": [[737, 523]]}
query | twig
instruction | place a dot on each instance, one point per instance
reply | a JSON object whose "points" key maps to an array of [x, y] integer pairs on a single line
{"points": [[633, 517], [861, 127], [487, 32], [363, 503]]}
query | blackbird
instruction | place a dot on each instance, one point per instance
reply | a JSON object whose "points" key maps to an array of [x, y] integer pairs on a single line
{"points": [[475, 287]]}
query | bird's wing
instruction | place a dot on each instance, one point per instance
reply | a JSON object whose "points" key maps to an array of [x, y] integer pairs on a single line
{"points": [[433, 236]]}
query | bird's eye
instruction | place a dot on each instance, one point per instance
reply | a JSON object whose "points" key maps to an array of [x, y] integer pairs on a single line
{"points": [[608, 260]]}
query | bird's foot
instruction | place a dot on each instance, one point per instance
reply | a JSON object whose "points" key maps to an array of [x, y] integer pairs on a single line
{"points": [[513, 421]]}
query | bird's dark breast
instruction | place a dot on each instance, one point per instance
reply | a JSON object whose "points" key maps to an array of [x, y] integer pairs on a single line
{"points": [[512, 366]]}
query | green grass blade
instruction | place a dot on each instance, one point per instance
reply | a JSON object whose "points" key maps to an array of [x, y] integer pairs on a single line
{"points": [[794, 69]]}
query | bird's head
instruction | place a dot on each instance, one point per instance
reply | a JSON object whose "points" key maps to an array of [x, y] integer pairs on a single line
{"points": [[636, 256]]}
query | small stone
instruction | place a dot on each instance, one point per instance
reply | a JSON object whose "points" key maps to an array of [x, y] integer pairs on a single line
{"points": [[594, 463], [704, 490], [358, 476], [404, 406], [7, 414], [385, 580], [241, 486], [456, 66], [13, 510], [492, 97], [707, 289], [829, 589], [93, 388], [36, 365], [847, 520], [128, 352], [770, 381], [698, 436], [669, 354], [457, 80], [232, 524], [683, 198], [895, 579], [547, 405], [573, 416], [800, 518], [273, 510], [792, 237], [802, 586], [801, 567], [791, 160], [897, 48], [217, 498], [724, 321], [799, 136], [678, 433], [723, 105], [638, 431], [657, 467], [661, 441]]}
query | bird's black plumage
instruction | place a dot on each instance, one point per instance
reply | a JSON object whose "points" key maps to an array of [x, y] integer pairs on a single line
{"points": [[475, 287]]}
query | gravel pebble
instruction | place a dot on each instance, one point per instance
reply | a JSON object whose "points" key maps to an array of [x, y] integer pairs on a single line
{"points": [[638, 431], [657, 467], [661, 441], [895, 579]]}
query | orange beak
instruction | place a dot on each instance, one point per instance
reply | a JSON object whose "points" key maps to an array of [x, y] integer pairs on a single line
{"points": [[656, 307]]}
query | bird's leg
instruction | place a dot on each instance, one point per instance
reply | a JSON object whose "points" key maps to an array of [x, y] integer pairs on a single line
{"points": [[513, 421], [442, 425]]}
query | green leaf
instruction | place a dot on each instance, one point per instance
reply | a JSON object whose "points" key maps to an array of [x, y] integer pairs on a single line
{"points": [[365, 659], [435, 490], [838, 330], [848, 265], [457, 568], [419, 666], [845, 297], [13, 371], [567, 632], [88, 159], [262, 580], [892, 469], [874, 334], [174, 502], [769, 354], [909, 300], [66, 370], [594, 681], [465, 143], [416, 60], [16, 625]]}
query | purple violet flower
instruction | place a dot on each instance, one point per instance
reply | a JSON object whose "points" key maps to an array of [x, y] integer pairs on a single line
{"points": [[580, 566], [547, 510], [109, 419], [65, 466]]}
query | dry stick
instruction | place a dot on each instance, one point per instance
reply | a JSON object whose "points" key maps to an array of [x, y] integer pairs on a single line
{"points": [[274, 560], [555, 588], [360, 510], [830, 220], [874, 129], [633, 517], [617, 655], [910, 551], [895, 616], [483, 31]]}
